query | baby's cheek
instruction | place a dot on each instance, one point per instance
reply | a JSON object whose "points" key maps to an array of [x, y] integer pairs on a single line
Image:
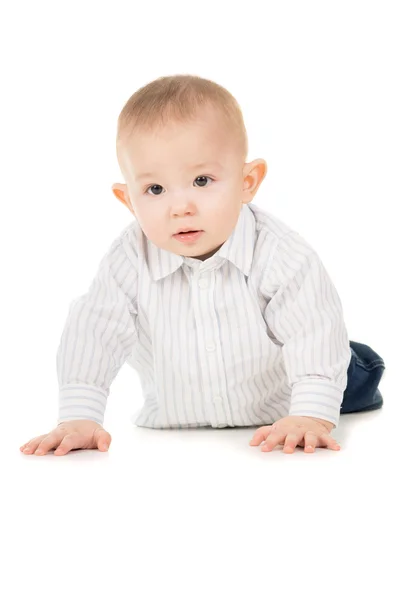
{"points": [[153, 229]]}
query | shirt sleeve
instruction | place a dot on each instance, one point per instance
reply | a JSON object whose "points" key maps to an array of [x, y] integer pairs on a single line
{"points": [[305, 315], [98, 336]]}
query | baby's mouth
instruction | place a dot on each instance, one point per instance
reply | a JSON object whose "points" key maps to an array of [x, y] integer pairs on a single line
{"points": [[188, 236], [190, 231]]}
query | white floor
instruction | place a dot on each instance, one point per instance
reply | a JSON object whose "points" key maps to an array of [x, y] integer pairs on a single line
{"points": [[201, 514]]}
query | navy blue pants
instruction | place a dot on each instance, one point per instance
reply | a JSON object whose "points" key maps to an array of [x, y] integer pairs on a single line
{"points": [[363, 376]]}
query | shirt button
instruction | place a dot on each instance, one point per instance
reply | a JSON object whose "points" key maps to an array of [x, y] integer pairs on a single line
{"points": [[203, 283], [217, 399], [210, 347]]}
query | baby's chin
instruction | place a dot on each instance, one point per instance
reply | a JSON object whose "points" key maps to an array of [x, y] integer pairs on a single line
{"points": [[207, 255]]}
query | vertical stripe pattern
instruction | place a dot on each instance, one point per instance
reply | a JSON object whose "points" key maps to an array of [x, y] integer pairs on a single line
{"points": [[250, 335]]}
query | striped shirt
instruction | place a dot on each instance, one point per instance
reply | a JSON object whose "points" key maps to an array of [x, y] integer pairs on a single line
{"points": [[250, 335]]}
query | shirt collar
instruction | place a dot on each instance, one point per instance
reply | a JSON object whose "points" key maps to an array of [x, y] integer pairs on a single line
{"points": [[238, 249]]}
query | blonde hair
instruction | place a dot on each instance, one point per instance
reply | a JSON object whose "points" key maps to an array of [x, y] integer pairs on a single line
{"points": [[178, 98]]}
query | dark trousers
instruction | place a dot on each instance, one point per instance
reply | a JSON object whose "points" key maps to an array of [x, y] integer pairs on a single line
{"points": [[364, 373]]}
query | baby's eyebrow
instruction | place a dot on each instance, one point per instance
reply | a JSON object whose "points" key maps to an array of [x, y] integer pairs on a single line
{"points": [[193, 168]]}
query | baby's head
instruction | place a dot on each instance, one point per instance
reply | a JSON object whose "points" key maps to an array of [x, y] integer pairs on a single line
{"points": [[182, 146]]}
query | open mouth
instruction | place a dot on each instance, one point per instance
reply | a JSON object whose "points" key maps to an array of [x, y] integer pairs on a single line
{"points": [[188, 236]]}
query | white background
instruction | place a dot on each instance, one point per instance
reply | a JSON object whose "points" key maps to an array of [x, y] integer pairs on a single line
{"points": [[195, 514]]}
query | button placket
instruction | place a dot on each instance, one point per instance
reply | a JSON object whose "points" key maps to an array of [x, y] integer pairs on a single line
{"points": [[203, 283], [215, 403]]}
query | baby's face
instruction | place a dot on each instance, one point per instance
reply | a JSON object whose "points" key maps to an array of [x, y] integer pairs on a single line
{"points": [[185, 176]]}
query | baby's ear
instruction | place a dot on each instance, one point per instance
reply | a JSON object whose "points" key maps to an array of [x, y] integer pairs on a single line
{"points": [[120, 189], [121, 193], [253, 174]]}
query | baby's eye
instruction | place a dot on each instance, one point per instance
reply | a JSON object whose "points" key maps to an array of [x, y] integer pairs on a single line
{"points": [[157, 188], [201, 179]]}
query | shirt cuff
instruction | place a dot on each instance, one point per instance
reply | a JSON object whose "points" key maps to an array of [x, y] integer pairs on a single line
{"points": [[317, 397], [81, 401]]}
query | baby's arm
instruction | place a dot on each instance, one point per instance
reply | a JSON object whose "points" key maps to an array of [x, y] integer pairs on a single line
{"points": [[98, 336], [305, 315]]}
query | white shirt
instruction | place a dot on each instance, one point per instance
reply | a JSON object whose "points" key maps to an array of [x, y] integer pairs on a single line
{"points": [[248, 336]]}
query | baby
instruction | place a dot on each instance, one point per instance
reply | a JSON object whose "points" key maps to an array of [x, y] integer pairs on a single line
{"points": [[226, 313]]}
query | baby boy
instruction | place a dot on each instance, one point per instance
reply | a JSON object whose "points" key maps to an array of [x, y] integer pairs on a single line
{"points": [[226, 313]]}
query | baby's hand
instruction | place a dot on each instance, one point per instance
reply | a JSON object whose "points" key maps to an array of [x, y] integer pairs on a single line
{"points": [[293, 431], [70, 435]]}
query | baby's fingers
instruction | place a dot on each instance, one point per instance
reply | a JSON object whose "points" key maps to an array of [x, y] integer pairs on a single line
{"points": [[49, 442], [328, 441], [71, 441], [60, 441], [102, 439], [31, 446], [260, 435]]}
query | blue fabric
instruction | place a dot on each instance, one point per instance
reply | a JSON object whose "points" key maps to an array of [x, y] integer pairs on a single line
{"points": [[364, 374]]}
